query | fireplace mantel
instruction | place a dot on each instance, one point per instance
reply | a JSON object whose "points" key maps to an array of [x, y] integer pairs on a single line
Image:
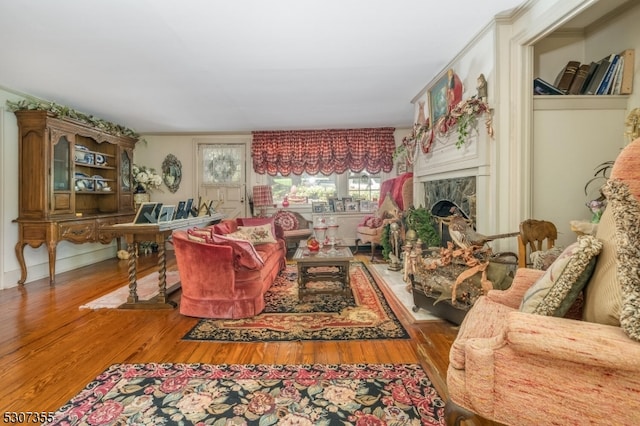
{"points": [[446, 161]]}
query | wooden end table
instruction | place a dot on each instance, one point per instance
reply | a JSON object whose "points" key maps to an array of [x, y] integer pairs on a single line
{"points": [[326, 266]]}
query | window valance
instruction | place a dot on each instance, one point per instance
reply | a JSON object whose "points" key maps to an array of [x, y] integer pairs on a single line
{"points": [[323, 151]]}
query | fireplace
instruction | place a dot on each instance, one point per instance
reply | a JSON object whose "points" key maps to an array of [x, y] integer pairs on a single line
{"points": [[444, 196]]}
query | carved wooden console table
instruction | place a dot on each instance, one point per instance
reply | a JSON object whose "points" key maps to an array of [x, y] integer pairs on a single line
{"points": [[158, 233]]}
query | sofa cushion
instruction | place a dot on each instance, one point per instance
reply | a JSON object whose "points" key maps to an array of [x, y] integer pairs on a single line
{"points": [[244, 253], [261, 234], [257, 221], [554, 293], [626, 213], [225, 227]]}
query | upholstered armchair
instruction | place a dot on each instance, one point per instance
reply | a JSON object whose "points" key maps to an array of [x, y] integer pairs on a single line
{"points": [[521, 367], [292, 226], [396, 196]]}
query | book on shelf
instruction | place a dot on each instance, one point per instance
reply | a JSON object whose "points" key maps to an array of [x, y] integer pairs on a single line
{"points": [[605, 84], [593, 67], [579, 79], [594, 84], [566, 75], [626, 76], [541, 87]]}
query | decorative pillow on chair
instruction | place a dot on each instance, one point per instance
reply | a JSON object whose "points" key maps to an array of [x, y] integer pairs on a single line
{"points": [[554, 293], [244, 253], [258, 234], [287, 220]]}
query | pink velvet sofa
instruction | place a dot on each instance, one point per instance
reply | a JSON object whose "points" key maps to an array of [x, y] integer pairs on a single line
{"points": [[222, 277]]}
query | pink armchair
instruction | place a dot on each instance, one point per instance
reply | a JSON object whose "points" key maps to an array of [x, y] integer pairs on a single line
{"points": [[520, 368]]}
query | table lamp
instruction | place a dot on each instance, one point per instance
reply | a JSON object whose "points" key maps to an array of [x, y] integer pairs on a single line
{"points": [[262, 198]]}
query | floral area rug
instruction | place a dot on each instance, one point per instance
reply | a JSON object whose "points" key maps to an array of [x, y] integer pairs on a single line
{"points": [[233, 394], [364, 315]]}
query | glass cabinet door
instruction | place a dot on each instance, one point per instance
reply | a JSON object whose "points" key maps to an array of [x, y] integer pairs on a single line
{"points": [[125, 171], [62, 165]]}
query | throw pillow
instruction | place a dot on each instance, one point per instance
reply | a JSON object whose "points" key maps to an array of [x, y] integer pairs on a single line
{"points": [[257, 221], [244, 253], [258, 234], [626, 211], [554, 293], [286, 220], [603, 297], [388, 208]]}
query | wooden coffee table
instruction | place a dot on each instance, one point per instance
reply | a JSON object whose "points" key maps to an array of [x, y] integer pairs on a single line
{"points": [[323, 266]]}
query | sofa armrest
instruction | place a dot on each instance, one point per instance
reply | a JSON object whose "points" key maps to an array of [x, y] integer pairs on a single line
{"points": [[512, 297], [581, 342]]}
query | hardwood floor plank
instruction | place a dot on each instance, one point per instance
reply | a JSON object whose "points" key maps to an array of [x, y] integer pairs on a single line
{"points": [[50, 348]]}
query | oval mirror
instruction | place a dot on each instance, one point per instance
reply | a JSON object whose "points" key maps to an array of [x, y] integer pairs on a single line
{"points": [[172, 172]]}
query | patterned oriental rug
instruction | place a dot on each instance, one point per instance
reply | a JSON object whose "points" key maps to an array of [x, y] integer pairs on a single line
{"points": [[366, 315], [362, 394]]}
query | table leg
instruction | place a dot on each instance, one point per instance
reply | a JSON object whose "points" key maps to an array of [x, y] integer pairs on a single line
{"points": [[133, 284], [162, 270], [23, 266]]}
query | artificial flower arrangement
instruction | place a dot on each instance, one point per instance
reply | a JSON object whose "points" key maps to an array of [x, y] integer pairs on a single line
{"points": [[146, 179], [461, 117]]}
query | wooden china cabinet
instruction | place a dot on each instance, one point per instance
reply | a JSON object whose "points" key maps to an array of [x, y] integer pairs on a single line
{"points": [[73, 180]]}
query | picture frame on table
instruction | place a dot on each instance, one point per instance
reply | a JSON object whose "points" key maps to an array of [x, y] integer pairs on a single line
{"points": [[365, 206], [332, 204], [439, 99], [166, 213], [179, 214], [339, 205], [319, 206], [351, 206], [145, 214]]}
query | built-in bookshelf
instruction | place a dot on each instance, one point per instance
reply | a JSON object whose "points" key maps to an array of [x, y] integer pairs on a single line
{"points": [[611, 75]]}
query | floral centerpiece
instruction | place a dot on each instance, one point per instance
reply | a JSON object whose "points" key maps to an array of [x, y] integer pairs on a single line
{"points": [[146, 179]]}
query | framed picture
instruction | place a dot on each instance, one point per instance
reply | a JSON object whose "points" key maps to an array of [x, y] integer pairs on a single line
{"points": [[365, 206], [347, 199], [187, 208], [319, 206], [438, 99], [166, 213], [351, 206], [145, 214], [339, 204], [180, 211], [332, 204]]}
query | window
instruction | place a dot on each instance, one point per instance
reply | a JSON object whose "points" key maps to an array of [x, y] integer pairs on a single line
{"points": [[309, 188], [364, 186]]}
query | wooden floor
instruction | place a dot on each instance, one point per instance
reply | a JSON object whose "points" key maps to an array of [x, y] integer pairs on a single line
{"points": [[50, 349]]}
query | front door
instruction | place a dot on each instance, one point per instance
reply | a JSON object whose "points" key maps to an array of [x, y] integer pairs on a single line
{"points": [[221, 177]]}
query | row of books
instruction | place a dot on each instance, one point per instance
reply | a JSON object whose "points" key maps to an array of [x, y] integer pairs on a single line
{"points": [[612, 75]]}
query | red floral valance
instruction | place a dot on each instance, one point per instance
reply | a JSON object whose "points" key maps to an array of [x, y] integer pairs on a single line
{"points": [[323, 151]]}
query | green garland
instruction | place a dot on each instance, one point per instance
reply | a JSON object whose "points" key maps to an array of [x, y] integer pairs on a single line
{"points": [[66, 112], [385, 241], [420, 220]]}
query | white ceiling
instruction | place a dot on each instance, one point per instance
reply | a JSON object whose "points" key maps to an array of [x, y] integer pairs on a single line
{"points": [[167, 66]]}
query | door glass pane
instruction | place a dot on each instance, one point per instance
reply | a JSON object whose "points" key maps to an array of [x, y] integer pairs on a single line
{"points": [[221, 164], [61, 164]]}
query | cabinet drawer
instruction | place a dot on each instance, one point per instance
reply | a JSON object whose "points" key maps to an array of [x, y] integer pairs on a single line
{"points": [[78, 232], [106, 236]]}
